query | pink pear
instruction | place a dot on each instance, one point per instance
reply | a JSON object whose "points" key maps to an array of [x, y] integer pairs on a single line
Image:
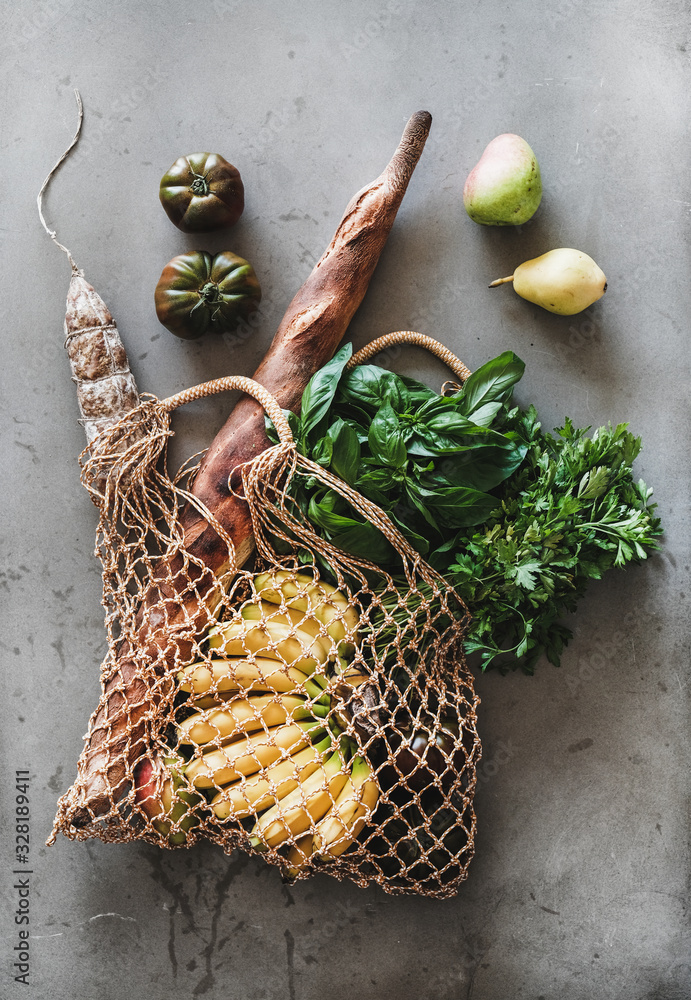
{"points": [[504, 188]]}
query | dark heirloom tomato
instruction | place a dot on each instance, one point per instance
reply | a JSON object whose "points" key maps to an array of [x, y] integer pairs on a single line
{"points": [[424, 761], [199, 293], [202, 192]]}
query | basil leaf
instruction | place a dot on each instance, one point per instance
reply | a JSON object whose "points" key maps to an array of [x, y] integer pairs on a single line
{"points": [[345, 451], [419, 543], [355, 415], [449, 422], [321, 388], [492, 381], [293, 422], [460, 505], [360, 538], [417, 391], [482, 468], [361, 432], [386, 439], [437, 404], [380, 478], [323, 515], [428, 441], [485, 414], [439, 558], [411, 490], [370, 386], [323, 452], [366, 542]]}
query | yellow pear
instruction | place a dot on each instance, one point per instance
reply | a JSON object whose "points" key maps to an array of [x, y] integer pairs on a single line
{"points": [[562, 281]]}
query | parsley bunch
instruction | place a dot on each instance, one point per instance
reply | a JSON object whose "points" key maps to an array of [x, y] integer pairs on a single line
{"points": [[517, 519], [570, 513]]}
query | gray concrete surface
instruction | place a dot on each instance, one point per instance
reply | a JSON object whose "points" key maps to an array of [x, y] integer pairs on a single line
{"points": [[578, 888]]}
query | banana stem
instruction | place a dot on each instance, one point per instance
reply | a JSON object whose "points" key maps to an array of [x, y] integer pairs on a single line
{"points": [[313, 727], [313, 689], [323, 745], [303, 714], [321, 711], [347, 747], [500, 281]]}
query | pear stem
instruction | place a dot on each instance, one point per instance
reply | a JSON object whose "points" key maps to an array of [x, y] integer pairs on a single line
{"points": [[500, 281]]}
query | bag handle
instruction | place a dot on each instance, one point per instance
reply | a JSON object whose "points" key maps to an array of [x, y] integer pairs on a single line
{"points": [[244, 384], [270, 403], [416, 339]]}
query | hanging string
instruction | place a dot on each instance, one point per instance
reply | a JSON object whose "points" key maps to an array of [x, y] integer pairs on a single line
{"points": [[39, 199]]}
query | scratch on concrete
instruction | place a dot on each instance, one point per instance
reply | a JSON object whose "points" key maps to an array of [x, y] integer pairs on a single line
{"points": [[290, 960], [156, 860], [235, 866], [96, 916], [172, 910]]}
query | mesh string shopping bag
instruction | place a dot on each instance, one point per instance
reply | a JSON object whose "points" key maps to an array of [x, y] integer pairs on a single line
{"points": [[311, 708]]}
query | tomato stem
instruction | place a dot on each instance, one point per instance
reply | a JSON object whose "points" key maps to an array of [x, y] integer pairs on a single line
{"points": [[210, 294], [199, 185]]}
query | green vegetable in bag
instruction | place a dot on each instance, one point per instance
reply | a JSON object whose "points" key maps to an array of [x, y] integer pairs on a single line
{"points": [[517, 519]]}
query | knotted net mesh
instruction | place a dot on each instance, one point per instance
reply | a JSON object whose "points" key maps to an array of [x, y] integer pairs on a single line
{"points": [[310, 708]]}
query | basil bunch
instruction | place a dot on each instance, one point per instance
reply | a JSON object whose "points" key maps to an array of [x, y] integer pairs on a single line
{"points": [[429, 461]]}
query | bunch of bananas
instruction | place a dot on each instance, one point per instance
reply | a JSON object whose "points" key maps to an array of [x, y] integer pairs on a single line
{"points": [[267, 740], [339, 827], [302, 626]]}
